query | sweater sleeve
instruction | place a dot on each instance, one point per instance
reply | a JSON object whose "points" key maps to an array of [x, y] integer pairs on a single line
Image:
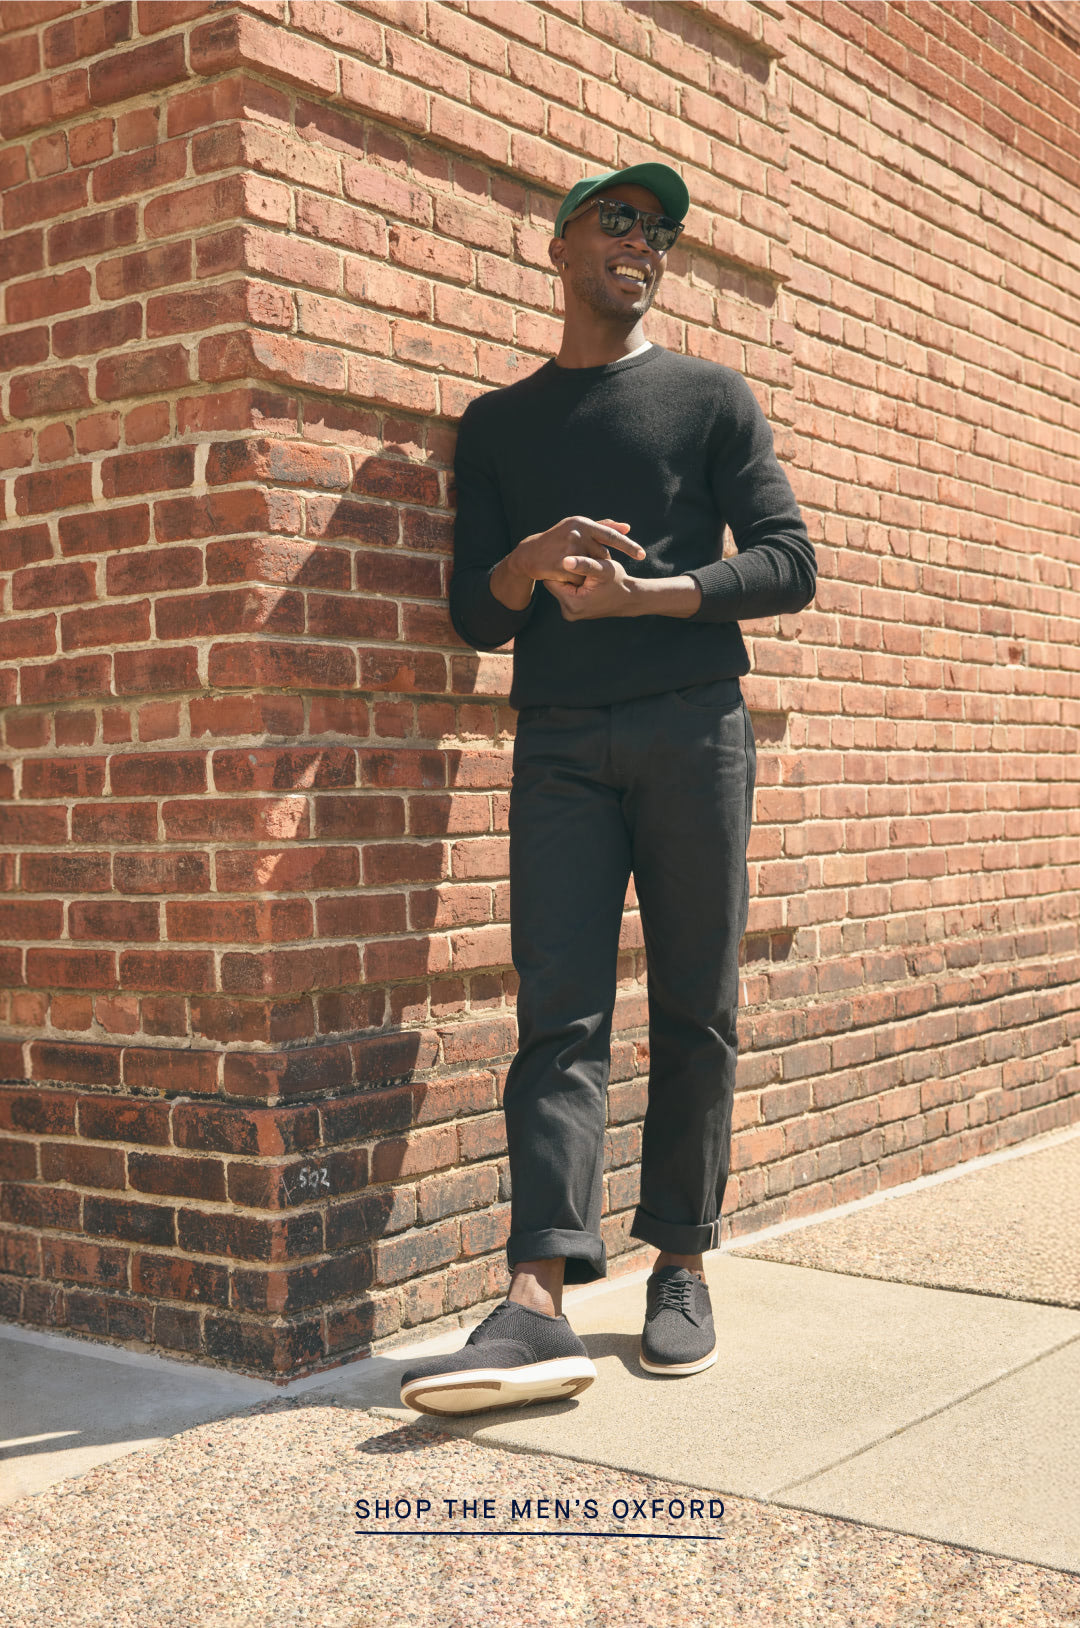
{"points": [[776, 571], [481, 539]]}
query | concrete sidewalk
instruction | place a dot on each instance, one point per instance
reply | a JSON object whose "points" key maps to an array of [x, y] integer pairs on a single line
{"points": [[911, 1365]]}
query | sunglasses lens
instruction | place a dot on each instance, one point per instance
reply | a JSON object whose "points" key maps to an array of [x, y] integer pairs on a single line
{"points": [[617, 220], [660, 231], [659, 236]]}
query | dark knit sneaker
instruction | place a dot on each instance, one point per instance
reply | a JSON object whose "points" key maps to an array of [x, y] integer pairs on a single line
{"points": [[678, 1337], [515, 1355]]}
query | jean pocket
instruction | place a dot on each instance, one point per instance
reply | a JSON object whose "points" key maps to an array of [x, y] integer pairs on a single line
{"points": [[716, 695]]}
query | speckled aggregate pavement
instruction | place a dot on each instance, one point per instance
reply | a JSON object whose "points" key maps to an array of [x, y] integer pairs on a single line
{"points": [[250, 1522]]}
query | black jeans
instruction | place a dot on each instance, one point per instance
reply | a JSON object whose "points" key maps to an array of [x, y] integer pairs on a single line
{"points": [[663, 787]]}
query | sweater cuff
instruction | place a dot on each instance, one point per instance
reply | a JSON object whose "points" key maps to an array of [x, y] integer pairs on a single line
{"points": [[721, 590], [478, 617], [500, 615]]}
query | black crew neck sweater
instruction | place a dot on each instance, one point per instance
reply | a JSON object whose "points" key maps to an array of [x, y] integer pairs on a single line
{"points": [[675, 445]]}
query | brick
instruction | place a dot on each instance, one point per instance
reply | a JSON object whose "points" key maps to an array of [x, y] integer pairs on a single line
{"points": [[275, 769], [240, 871], [105, 625], [92, 234], [283, 461], [82, 1165], [118, 1119], [145, 774], [30, 636], [367, 1113], [244, 1343], [146, 269], [150, 422], [42, 585], [416, 1154], [37, 1111], [141, 373], [169, 1278], [20, 1254], [115, 821], [241, 1237], [261, 355], [125, 1219], [177, 1177], [374, 1214], [38, 1207], [220, 513], [299, 1287], [203, 308], [76, 1261], [226, 99], [421, 1251], [246, 41], [141, 672], [32, 919], [73, 1063], [155, 570], [158, 873], [42, 493], [22, 59], [18, 1161], [138, 472], [254, 1131], [482, 1233], [229, 715], [63, 777], [89, 142], [146, 68], [23, 544], [236, 819], [24, 252], [281, 665], [238, 922], [471, 1189], [24, 348], [45, 296], [56, 390]]}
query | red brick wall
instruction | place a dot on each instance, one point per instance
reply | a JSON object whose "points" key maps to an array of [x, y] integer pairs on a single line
{"points": [[259, 1004]]}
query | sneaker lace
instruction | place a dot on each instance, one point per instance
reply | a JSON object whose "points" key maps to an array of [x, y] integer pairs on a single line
{"points": [[480, 1328], [675, 1294]]}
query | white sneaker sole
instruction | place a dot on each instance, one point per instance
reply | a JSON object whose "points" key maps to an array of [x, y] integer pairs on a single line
{"points": [[676, 1368], [473, 1390]]}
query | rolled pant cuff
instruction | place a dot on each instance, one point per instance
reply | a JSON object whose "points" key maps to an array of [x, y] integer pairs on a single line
{"points": [[680, 1240], [586, 1254]]}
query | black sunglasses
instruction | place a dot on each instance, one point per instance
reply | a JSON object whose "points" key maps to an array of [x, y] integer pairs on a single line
{"points": [[617, 218]]}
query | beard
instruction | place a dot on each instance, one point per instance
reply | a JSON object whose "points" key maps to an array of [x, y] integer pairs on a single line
{"points": [[594, 288]]}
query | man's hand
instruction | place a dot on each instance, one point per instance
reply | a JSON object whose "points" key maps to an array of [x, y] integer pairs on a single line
{"points": [[606, 591], [571, 552], [613, 592]]}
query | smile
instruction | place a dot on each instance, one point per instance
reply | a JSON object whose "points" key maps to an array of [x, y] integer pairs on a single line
{"points": [[628, 281]]}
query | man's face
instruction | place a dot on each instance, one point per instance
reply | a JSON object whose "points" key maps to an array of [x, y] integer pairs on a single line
{"points": [[587, 258]]}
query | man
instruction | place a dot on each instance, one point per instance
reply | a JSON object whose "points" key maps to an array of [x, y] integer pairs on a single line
{"points": [[634, 754]]}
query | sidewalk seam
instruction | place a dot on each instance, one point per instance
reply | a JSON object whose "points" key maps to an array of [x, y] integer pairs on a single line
{"points": [[934, 1413]]}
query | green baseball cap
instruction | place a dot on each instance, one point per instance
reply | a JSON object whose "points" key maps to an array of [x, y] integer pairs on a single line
{"points": [[667, 184]]}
